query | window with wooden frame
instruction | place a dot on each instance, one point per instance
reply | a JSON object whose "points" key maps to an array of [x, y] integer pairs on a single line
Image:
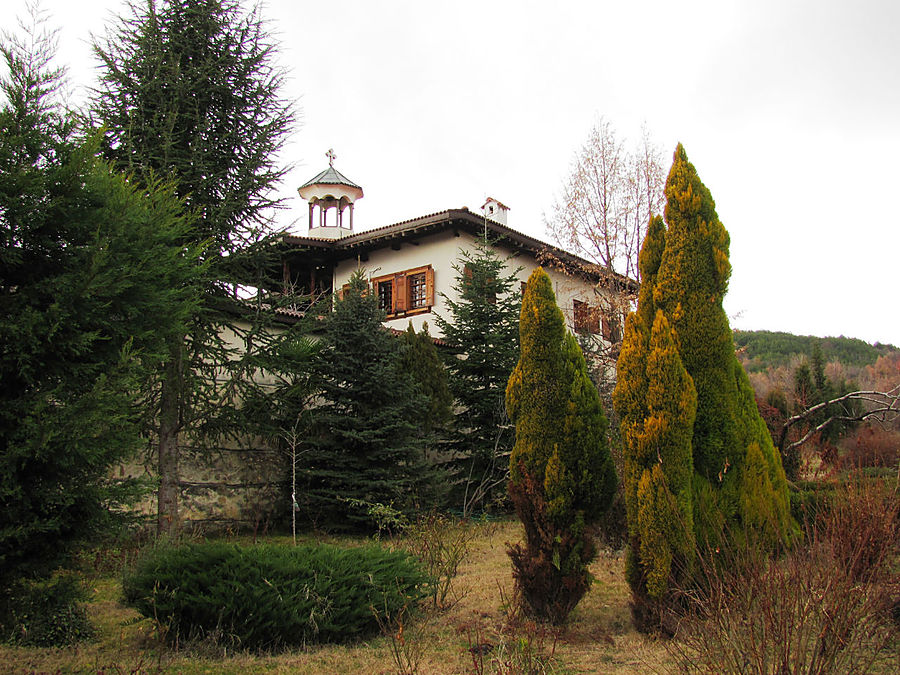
{"points": [[405, 293], [586, 318], [611, 329]]}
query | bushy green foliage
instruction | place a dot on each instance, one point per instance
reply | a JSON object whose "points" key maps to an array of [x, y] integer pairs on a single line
{"points": [[365, 447], [728, 431], [482, 335], [421, 360], [700, 464], [45, 613], [271, 597], [664, 502], [562, 475], [92, 283]]}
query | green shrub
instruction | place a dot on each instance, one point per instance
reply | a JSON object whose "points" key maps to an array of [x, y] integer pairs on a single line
{"points": [[268, 597], [45, 613]]}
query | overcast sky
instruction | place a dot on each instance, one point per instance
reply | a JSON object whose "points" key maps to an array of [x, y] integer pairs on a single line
{"points": [[790, 111]]}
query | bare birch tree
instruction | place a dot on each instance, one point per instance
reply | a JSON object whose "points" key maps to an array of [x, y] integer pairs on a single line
{"points": [[608, 199]]}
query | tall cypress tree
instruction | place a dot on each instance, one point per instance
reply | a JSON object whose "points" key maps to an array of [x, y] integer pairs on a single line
{"points": [[189, 92], [561, 473], [630, 395], [732, 449], [365, 450], [482, 334], [656, 400], [664, 500], [700, 465]]}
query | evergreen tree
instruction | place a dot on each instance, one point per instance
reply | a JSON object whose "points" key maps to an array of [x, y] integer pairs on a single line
{"points": [[421, 360], [730, 441], [365, 450], [562, 475], [656, 400], [700, 464], [660, 502], [92, 278], [482, 333], [190, 93], [630, 394]]}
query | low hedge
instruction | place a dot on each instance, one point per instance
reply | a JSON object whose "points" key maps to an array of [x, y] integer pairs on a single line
{"points": [[269, 597]]}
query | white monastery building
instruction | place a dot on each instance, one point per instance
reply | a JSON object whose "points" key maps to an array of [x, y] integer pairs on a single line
{"points": [[411, 263]]}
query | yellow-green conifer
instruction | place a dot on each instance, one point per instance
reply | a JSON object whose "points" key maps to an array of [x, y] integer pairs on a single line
{"points": [[697, 453], [660, 467], [691, 284], [562, 475], [630, 395]]}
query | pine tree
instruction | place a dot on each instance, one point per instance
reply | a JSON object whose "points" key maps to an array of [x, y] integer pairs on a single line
{"points": [[365, 451], [562, 475], [482, 334], [92, 279], [189, 92]]}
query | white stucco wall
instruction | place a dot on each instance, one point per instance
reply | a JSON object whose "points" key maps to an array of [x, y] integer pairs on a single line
{"points": [[442, 251]]}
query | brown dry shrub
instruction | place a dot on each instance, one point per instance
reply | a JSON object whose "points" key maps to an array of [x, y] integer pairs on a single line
{"points": [[550, 570], [824, 607], [872, 446]]}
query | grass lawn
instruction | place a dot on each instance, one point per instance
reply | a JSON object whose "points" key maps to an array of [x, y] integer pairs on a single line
{"points": [[476, 634], [599, 639]]}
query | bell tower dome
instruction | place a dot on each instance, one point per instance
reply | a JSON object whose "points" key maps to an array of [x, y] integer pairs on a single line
{"points": [[330, 190]]}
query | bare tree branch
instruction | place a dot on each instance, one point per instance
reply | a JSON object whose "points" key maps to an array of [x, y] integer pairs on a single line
{"points": [[607, 200], [883, 406]]}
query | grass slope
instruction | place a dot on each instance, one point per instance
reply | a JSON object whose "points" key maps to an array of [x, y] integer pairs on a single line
{"points": [[599, 639]]}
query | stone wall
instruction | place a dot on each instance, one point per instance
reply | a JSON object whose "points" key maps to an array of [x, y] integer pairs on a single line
{"points": [[224, 488]]}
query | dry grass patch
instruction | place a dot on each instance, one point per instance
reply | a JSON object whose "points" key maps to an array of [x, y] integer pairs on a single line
{"points": [[479, 633]]}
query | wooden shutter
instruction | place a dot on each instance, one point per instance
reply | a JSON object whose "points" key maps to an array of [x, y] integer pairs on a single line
{"points": [[429, 286], [611, 329], [400, 293], [593, 325], [579, 316]]}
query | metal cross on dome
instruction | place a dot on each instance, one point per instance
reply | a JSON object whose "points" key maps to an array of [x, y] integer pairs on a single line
{"points": [[331, 156]]}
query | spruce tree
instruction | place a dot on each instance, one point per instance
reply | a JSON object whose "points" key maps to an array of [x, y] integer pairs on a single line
{"points": [[482, 335], [561, 473], [365, 451], [189, 92], [92, 283]]}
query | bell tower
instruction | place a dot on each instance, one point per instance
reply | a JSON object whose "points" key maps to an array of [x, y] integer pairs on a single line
{"points": [[330, 190]]}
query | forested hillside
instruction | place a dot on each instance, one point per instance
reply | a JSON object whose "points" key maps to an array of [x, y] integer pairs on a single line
{"points": [[761, 349]]}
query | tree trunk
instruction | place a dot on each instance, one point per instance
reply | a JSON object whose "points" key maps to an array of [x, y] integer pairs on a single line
{"points": [[169, 425]]}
